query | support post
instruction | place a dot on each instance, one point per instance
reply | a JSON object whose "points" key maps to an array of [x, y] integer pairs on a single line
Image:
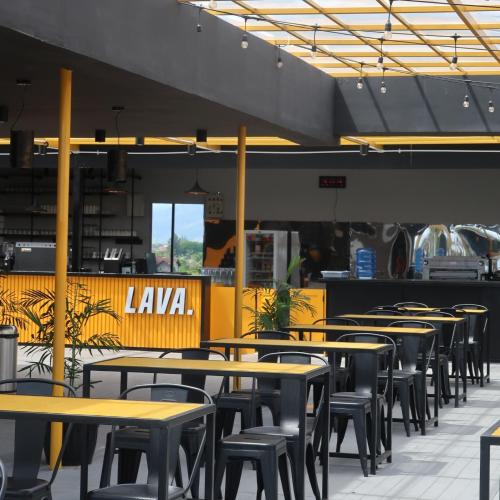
{"points": [[240, 232], [63, 175]]}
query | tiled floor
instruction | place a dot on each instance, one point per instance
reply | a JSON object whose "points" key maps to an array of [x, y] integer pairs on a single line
{"points": [[442, 465]]}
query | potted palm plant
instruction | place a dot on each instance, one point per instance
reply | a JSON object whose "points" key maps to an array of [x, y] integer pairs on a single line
{"points": [[280, 304], [38, 309]]}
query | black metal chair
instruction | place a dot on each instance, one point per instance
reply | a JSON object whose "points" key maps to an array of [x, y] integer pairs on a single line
{"points": [[385, 311], [3, 486], [28, 445], [409, 378], [357, 404], [269, 452], [288, 426], [410, 304], [132, 441], [268, 391], [477, 325], [446, 350], [149, 491]]}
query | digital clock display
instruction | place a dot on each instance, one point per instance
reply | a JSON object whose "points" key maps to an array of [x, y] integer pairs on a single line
{"points": [[332, 181]]}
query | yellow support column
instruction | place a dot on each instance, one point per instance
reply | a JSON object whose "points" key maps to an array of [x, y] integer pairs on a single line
{"points": [[240, 230], [63, 174]]}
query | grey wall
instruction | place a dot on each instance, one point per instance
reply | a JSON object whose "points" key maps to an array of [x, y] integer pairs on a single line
{"points": [[439, 196]]}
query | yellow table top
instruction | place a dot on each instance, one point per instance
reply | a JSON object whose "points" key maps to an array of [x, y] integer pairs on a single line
{"points": [[364, 329], [395, 317], [100, 408], [496, 432], [210, 366], [298, 344], [429, 309]]}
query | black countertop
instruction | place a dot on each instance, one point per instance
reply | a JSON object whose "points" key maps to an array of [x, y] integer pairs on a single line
{"points": [[373, 282]]}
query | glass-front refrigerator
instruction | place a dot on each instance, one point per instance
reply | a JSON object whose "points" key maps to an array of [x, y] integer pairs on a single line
{"points": [[267, 256]]}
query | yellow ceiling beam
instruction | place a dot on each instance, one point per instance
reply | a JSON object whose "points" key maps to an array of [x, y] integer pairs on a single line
{"points": [[264, 26], [346, 40], [424, 64], [421, 140]]}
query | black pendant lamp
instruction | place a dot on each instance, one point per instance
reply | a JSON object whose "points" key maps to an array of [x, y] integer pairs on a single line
{"points": [[117, 158], [22, 142], [196, 190]]}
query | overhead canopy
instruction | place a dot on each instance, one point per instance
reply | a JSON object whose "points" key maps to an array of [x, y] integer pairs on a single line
{"points": [[149, 57]]}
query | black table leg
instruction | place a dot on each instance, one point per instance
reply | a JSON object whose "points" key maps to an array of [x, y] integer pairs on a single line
{"points": [[374, 411], [325, 430], [123, 381], [390, 388], [86, 382], [84, 468], [163, 464], [210, 458], [437, 384], [484, 470], [301, 455], [465, 344]]}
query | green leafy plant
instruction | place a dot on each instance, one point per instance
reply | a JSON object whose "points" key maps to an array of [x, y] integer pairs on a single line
{"points": [[81, 307], [281, 303], [9, 308]]}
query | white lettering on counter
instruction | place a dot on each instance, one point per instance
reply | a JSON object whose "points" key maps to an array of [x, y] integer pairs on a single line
{"points": [[165, 297]]}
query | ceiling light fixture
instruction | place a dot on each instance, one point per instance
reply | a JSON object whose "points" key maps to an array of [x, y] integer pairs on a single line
{"points": [[196, 190], [491, 104], [279, 61], [244, 38], [380, 60], [466, 103], [359, 84], [212, 4], [22, 142], [454, 59], [388, 25], [383, 88], [314, 48], [199, 28]]}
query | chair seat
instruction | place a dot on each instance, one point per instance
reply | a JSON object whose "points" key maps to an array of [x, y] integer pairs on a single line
{"points": [[399, 374], [253, 441], [283, 430], [236, 399], [22, 488], [132, 492], [351, 399]]}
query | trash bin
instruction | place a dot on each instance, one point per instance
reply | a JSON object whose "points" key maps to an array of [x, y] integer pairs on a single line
{"points": [[8, 355]]}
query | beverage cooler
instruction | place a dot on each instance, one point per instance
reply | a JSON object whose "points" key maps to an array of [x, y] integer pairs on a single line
{"points": [[267, 256]]}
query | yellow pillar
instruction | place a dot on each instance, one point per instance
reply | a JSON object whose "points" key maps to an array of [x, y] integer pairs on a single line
{"points": [[63, 175], [240, 229]]}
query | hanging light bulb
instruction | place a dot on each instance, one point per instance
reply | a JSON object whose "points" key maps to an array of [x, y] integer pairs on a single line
{"points": [[388, 24], [198, 25], [491, 106], [383, 88], [359, 84], [212, 4], [279, 61], [380, 60], [244, 38], [466, 102], [454, 59], [314, 48]]}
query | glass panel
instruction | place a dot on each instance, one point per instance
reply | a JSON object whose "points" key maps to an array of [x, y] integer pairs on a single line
{"points": [[161, 235], [188, 238]]}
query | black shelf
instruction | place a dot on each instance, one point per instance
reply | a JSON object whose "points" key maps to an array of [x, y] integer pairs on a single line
{"points": [[37, 214]]}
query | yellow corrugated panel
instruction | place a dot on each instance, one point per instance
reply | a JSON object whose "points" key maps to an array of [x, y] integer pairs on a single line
{"points": [[146, 329]]}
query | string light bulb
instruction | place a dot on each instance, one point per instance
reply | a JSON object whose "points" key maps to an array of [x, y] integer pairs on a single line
{"points": [[360, 84], [466, 103], [314, 48], [380, 60], [454, 59], [383, 87], [388, 24], [198, 25], [491, 106], [212, 4], [244, 38], [279, 61]]}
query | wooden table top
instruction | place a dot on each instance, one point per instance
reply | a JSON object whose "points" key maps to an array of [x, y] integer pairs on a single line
{"points": [[298, 345], [176, 365], [394, 317], [356, 329], [431, 309], [98, 408], [496, 432]]}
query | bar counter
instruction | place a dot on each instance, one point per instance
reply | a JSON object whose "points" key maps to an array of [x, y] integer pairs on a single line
{"points": [[157, 311], [344, 296]]}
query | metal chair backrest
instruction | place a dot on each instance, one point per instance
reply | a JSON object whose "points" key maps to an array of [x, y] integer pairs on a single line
{"points": [[29, 435], [410, 346], [195, 353], [447, 330], [332, 336], [365, 364], [3, 487], [476, 322], [177, 393], [410, 304], [291, 402], [386, 308]]}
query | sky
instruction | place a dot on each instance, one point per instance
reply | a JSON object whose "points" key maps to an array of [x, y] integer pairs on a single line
{"points": [[189, 222]]}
